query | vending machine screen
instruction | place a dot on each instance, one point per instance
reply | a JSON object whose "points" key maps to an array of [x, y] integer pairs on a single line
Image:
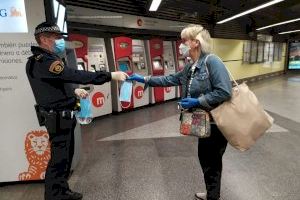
{"points": [[157, 65], [124, 66], [80, 65]]}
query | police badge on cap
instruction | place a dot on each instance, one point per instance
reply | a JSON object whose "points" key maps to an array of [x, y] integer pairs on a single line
{"points": [[49, 28]]}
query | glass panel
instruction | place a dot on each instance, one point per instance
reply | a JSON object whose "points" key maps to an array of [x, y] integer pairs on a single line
{"points": [[260, 52], [266, 51], [271, 52], [253, 55]]}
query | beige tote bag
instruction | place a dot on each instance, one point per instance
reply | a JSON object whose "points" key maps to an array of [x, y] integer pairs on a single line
{"points": [[242, 119]]}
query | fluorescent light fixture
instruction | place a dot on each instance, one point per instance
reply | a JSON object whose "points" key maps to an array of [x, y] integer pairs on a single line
{"points": [[95, 17], [289, 32], [277, 24], [250, 11], [154, 5], [61, 17], [55, 7]]}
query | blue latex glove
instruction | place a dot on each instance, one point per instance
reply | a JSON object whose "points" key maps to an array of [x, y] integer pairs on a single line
{"points": [[136, 77], [187, 103]]}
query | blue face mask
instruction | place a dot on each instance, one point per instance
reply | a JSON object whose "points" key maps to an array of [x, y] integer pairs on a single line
{"points": [[85, 116], [59, 46], [126, 91]]}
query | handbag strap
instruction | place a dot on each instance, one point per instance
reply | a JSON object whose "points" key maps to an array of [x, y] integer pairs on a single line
{"points": [[193, 67], [225, 68]]}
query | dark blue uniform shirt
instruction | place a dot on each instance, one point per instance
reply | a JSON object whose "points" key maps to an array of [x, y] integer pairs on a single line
{"points": [[49, 78]]}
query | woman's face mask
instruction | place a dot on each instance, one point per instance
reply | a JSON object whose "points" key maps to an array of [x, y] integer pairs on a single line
{"points": [[184, 50]]}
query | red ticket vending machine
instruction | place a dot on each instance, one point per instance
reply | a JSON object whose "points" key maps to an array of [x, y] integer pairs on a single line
{"points": [[80, 44], [180, 64], [169, 65], [91, 56], [100, 96], [122, 50], [155, 48], [140, 66]]}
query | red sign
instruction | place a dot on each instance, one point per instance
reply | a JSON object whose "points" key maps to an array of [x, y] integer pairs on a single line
{"points": [[168, 89], [139, 22], [98, 99], [139, 92]]}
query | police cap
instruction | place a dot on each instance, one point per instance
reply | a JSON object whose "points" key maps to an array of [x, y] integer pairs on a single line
{"points": [[49, 28]]}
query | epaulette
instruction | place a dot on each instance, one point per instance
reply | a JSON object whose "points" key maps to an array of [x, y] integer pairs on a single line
{"points": [[38, 57]]}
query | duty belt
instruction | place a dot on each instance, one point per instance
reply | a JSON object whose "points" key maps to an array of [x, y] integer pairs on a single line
{"points": [[64, 113]]}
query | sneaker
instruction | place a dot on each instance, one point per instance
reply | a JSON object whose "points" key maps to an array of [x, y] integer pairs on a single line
{"points": [[200, 195], [70, 195]]}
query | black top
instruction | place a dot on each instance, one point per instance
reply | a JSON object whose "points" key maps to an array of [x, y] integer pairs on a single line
{"points": [[49, 78]]}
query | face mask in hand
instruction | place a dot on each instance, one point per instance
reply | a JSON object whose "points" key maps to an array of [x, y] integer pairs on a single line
{"points": [[59, 46], [184, 50], [85, 116], [126, 91]]}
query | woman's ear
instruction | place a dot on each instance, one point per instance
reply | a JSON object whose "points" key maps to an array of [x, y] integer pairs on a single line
{"points": [[197, 43]]}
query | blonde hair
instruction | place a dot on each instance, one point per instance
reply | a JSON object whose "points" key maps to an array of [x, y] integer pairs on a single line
{"points": [[197, 32]]}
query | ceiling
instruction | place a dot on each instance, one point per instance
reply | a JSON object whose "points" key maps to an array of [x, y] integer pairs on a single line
{"points": [[208, 12]]}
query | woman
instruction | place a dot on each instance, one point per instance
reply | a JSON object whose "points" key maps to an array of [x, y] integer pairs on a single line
{"points": [[210, 86]]}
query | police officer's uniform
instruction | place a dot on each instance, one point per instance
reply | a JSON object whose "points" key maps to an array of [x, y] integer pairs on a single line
{"points": [[49, 78]]}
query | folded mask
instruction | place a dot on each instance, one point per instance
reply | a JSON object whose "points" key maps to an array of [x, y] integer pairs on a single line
{"points": [[85, 116], [126, 91]]}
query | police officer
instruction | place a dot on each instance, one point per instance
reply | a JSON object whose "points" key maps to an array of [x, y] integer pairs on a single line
{"points": [[49, 78]]}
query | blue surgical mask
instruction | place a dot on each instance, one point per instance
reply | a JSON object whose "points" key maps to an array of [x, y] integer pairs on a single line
{"points": [[59, 46], [85, 116], [126, 91], [184, 50]]}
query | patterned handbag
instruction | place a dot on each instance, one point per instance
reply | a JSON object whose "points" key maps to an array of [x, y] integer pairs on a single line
{"points": [[196, 123]]}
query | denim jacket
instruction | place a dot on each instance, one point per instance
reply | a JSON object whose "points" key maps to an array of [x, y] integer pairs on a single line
{"points": [[211, 85]]}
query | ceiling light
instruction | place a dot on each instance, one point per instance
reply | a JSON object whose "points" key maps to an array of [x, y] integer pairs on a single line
{"points": [[250, 11], [289, 32], [154, 5], [277, 24]]}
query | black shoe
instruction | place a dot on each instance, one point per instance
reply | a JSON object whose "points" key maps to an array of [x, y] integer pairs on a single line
{"points": [[70, 195]]}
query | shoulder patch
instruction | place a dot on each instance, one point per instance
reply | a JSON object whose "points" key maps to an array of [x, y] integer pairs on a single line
{"points": [[56, 67]]}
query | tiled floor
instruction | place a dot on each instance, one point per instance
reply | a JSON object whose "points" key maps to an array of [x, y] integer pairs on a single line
{"points": [[140, 155]]}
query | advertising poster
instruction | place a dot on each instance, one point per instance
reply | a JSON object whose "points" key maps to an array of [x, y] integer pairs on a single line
{"points": [[24, 145], [294, 56]]}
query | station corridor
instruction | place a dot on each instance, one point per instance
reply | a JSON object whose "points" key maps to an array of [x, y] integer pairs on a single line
{"points": [[140, 155]]}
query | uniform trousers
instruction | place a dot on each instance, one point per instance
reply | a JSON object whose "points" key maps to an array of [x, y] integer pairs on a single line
{"points": [[59, 166]]}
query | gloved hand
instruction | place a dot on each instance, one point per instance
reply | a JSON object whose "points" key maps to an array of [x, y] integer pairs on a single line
{"points": [[81, 93], [119, 76], [136, 77], [187, 103]]}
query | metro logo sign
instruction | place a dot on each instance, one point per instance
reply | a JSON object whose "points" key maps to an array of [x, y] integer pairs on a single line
{"points": [[168, 89], [139, 92], [98, 99]]}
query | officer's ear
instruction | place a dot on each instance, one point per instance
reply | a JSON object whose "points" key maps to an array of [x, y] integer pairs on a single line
{"points": [[45, 38]]}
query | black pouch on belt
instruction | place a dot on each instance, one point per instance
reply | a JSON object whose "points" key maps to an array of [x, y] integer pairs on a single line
{"points": [[40, 115], [51, 121], [66, 119]]}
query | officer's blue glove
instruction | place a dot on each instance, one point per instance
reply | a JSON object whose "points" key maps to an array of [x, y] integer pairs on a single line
{"points": [[187, 103], [136, 77]]}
